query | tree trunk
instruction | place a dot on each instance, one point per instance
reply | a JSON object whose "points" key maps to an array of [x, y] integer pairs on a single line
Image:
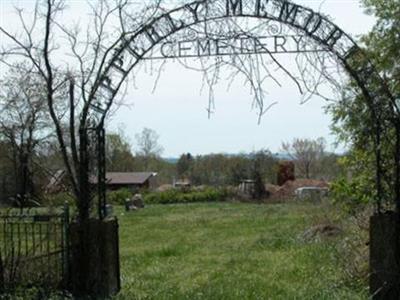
{"points": [[24, 178], [307, 169], [84, 200]]}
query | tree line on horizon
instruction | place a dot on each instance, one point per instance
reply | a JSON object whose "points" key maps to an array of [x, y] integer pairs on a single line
{"points": [[30, 172]]}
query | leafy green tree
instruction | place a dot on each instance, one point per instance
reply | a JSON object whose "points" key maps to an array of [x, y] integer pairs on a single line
{"points": [[209, 170], [266, 163], [184, 164], [352, 120], [257, 175], [238, 169], [354, 192], [223, 169], [118, 153]]}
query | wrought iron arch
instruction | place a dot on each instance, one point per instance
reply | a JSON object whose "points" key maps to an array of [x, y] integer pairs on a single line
{"points": [[312, 24]]}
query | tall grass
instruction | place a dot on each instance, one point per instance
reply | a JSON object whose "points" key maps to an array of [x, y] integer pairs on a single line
{"points": [[230, 251]]}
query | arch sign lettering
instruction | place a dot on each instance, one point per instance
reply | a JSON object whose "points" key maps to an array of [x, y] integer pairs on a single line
{"points": [[140, 43], [240, 44], [311, 24], [133, 47]]}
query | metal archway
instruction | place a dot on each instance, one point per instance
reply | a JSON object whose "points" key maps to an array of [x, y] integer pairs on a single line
{"points": [[317, 27]]}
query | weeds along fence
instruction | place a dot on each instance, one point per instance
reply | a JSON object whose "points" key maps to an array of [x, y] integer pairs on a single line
{"points": [[34, 248]]}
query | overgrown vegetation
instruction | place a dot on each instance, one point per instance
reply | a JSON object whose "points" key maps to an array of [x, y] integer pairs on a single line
{"points": [[187, 196], [234, 251], [359, 186], [118, 197], [58, 200], [35, 294]]}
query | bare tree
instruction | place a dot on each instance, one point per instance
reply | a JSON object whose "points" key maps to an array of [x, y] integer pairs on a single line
{"points": [[86, 51], [147, 143], [306, 154], [39, 44], [24, 125], [148, 147]]}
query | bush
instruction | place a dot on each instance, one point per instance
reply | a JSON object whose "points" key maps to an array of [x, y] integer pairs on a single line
{"points": [[58, 200], [352, 195], [118, 197], [34, 293], [178, 196]]}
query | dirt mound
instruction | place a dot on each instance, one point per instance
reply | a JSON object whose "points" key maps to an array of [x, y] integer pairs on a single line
{"points": [[288, 189], [164, 187], [271, 188], [321, 231]]}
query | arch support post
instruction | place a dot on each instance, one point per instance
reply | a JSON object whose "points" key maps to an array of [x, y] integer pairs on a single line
{"points": [[397, 164], [384, 256], [103, 280]]}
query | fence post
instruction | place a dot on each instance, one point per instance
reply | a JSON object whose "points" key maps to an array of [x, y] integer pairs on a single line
{"points": [[65, 251], [1, 274]]}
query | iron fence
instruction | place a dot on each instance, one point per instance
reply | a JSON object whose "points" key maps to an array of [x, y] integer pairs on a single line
{"points": [[34, 248]]}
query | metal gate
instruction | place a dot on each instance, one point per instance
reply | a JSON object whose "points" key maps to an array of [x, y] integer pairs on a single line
{"points": [[34, 248]]}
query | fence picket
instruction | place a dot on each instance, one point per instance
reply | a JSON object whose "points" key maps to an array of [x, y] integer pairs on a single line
{"points": [[33, 247]]}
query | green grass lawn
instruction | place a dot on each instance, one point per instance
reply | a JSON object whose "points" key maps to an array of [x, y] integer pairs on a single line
{"points": [[229, 251]]}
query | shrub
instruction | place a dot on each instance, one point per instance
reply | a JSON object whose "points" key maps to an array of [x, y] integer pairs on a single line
{"points": [[352, 195], [34, 293], [58, 200], [118, 197], [190, 196]]}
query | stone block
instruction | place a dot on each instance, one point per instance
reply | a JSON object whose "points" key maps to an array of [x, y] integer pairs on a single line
{"points": [[385, 256], [102, 248]]}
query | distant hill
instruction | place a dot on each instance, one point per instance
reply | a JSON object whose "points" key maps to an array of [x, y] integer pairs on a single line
{"points": [[171, 160], [280, 156]]}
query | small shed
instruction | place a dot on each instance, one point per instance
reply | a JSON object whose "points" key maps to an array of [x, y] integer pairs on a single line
{"points": [[247, 186], [311, 193], [182, 183], [131, 180]]}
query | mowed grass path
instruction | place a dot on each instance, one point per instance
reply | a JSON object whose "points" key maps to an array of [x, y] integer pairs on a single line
{"points": [[227, 251]]}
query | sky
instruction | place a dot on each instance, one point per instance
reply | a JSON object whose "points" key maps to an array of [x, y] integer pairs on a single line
{"points": [[177, 109]]}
